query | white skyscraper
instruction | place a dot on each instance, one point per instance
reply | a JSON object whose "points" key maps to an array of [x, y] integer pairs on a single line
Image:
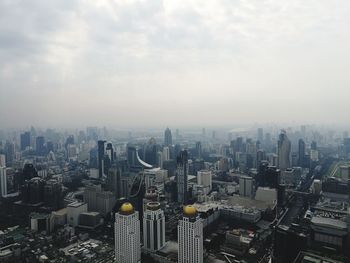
{"points": [[2, 160], [166, 154], [153, 227], [127, 235], [190, 237]]}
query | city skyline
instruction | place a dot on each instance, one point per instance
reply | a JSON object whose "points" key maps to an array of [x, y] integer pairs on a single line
{"points": [[156, 63]]}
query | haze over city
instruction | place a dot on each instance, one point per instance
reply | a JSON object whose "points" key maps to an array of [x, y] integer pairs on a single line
{"points": [[185, 63]]}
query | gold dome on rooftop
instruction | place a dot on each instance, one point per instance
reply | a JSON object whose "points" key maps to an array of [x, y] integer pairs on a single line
{"points": [[189, 210], [126, 208]]}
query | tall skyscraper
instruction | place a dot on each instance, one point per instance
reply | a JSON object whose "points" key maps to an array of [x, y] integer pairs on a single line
{"points": [[25, 140], [110, 151], [190, 237], [127, 235], [182, 174], [166, 154], [198, 150], [2, 160], [283, 151], [301, 153], [40, 145], [100, 157], [168, 140], [3, 182], [153, 227]]}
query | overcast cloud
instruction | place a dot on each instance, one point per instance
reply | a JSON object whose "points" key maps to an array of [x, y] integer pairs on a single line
{"points": [[172, 62]]}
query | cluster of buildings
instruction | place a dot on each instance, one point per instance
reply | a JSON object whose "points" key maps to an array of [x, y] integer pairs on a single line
{"points": [[190, 198]]}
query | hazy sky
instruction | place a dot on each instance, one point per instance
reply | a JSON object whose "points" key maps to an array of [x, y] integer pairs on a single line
{"points": [[172, 62]]}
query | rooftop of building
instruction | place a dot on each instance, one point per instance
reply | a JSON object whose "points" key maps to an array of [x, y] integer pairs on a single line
{"points": [[329, 222], [76, 204]]}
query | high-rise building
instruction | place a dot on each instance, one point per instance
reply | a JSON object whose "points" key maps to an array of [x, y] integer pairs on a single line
{"points": [[182, 174], [301, 153], [198, 150], [113, 182], [127, 235], [190, 237], [40, 145], [25, 140], [110, 152], [153, 227], [99, 200], [100, 157], [204, 177], [3, 181], [283, 151], [2, 160], [166, 154], [246, 186], [9, 153], [168, 140]]}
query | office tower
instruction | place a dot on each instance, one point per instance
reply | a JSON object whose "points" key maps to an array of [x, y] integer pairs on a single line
{"points": [[25, 140], [131, 155], [301, 153], [151, 151], [268, 176], [110, 152], [283, 151], [113, 182], [53, 194], [50, 146], [153, 227], [100, 157], [99, 200], [260, 135], [40, 145], [182, 174], [69, 141], [2, 160], [246, 186], [190, 237], [33, 191], [3, 181], [9, 153], [260, 156], [166, 154], [314, 145], [204, 177], [168, 140], [127, 235], [198, 150]]}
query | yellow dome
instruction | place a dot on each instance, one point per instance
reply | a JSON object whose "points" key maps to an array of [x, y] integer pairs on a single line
{"points": [[126, 208], [189, 210]]}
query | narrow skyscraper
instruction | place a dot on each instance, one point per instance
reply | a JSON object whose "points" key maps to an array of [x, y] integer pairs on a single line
{"points": [[190, 237], [182, 174], [168, 139], [301, 153], [153, 227], [283, 151], [127, 235], [100, 157]]}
